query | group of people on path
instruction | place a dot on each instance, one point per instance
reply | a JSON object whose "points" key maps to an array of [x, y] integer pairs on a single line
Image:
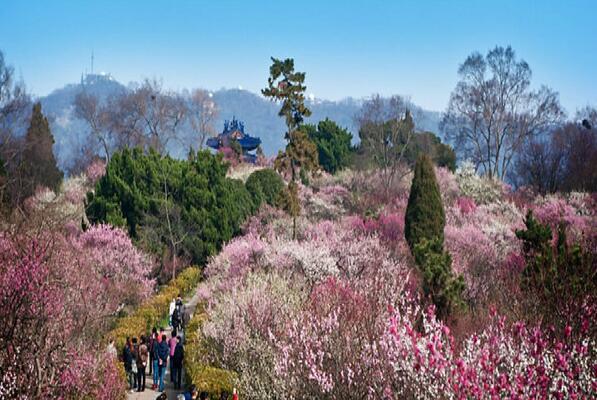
{"points": [[155, 352]]}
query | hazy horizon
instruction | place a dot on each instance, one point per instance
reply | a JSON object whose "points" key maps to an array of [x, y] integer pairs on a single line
{"points": [[352, 50]]}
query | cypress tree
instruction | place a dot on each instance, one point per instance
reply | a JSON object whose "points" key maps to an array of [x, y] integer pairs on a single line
{"points": [[425, 218], [424, 232], [39, 163]]}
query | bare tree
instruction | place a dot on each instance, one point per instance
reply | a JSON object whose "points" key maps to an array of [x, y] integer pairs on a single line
{"points": [[539, 166], [587, 116], [202, 113], [160, 113], [386, 129], [99, 118], [15, 108], [562, 161], [492, 111], [125, 120]]}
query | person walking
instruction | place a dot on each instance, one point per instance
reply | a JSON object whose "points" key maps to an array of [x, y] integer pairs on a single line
{"points": [[176, 362], [142, 358], [150, 342], [111, 349], [163, 353], [152, 359], [135, 366], [127, 358], [155, 352], [172, 345], [171, 310]]}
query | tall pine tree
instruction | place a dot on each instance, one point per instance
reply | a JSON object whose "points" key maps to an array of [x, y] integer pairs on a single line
{"points": [[286, 85], [38, 163]]}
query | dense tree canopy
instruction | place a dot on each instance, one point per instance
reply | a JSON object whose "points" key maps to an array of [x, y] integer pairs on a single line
{"points": [[333, 144], [442, 154], [386, 129], [265, 185], [206, 206]]}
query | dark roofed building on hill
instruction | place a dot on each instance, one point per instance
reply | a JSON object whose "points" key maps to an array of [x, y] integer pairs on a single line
{"points": [[235, 130]]}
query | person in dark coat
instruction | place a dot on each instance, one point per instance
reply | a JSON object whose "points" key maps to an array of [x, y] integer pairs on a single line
{"points": [[176, 362], [135, 369], [153, 361], [163, 353], [127, 358]]}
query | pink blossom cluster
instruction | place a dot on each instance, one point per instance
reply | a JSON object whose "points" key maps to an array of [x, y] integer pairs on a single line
{"points": [[338, 313], [90, 376], [95, 171], [503, 361], [59, 292], [578, 216]]}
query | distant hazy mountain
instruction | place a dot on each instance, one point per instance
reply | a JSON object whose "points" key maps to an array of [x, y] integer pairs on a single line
{"points": [[259, 114]]}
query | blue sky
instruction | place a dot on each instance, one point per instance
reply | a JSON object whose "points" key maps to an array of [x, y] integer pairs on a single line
{"points": [[347, 48]]}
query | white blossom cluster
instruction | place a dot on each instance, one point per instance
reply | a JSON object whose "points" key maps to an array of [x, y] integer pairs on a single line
{"points": [[480, 189]]}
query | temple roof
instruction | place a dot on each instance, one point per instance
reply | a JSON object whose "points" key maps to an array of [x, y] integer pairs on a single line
{"points": [[234, 129]]}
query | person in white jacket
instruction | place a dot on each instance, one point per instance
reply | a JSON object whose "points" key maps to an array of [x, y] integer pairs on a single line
{"points": [[171, 311]]}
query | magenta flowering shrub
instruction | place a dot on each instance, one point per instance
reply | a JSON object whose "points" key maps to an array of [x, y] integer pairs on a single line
{"points": [[332, 349], [51, 308], [448, 186], [500, 362], [30, 309], [237, 332], [474, 256], [579, 221], [107, 270], [327, 202], [58, 294], [90, 376], [466, 205], [254, 274]]}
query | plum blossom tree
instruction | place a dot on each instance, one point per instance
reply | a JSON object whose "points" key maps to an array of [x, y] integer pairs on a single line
{"points": [[59, 292]]}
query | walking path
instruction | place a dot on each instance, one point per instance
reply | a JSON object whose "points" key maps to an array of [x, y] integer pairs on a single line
{"points": [[149, 394]]}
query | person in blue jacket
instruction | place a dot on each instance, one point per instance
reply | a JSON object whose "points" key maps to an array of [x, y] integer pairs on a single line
{"points": [[163, 351]]}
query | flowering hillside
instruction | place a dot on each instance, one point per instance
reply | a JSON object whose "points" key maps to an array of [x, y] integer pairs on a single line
{"points": [[61, 288], [338, 313]]}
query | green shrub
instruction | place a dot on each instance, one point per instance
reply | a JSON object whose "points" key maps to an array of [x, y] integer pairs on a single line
{"points": [[333, 144], [558, 280], [425, 218], [155, 309], [206, 378], [439, 283], [207, 208], [264, 185]]}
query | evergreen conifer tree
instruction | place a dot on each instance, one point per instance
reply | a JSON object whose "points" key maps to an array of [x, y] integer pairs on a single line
{"points": [[424, 232], [38, 163], [425, 218], [287, 85]]}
